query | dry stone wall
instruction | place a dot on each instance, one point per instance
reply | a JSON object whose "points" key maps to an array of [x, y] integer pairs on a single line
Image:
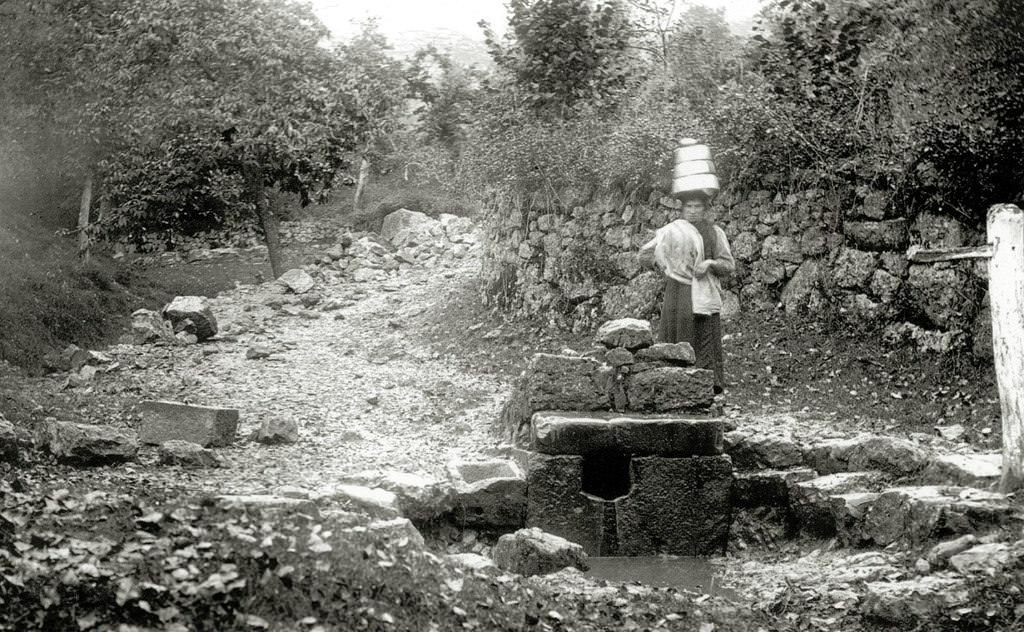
{"points": [[812, 252]]}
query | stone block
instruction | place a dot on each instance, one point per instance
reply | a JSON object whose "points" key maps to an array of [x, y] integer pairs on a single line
{"points": [[187, 454], [557, 503], [488, 493], [752, 451], [88, 444], [418, 498], [207, 426], [825, 506], [572, 433], [675, 506], [890, 234], [671, 388], [534, 552]]}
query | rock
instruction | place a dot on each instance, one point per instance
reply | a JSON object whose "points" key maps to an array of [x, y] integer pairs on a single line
{"points": [[277, 430], [630, 333], [379, 502], [258, 352], [270, 504], [954, 432], [297, 280], [488, 493], [9, 444], [946, 293], [637, 297], [404, 227], [853, 268], [939, 554], [618, 357], [85, 357], [471, 561], [671, 389], [207, 426], [150, 326], [195, 309], [890, 234], [781, 248], [888, 454], [568, 433], [399, 532], [335, 252], [365, 275], [796, 295], [679, 353], [984, 558], [974, 470], [908, 601], [87, 444], [533, 552], [914, 515], [418, 498], [833, 504], [187, 454]]}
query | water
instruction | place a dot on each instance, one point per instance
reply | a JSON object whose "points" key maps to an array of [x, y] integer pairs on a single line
{"points": [[694, 574]]}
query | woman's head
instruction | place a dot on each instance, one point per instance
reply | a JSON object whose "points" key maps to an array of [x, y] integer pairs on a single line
{"points": [[695, 205]]}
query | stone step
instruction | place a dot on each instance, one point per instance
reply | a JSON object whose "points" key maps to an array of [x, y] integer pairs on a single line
{"points": [[767, 488], [555, 432], [830, 505], [968, 470]]}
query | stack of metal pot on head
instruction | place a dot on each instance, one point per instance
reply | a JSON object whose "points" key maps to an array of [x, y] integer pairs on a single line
{"points": [[694, 169]]}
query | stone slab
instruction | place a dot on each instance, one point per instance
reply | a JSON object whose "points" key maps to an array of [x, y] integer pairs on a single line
{"points": [[561, 433], [767, 488], [676, 506], [207, 426], [90, 444], [974, 470], [832, 504]]}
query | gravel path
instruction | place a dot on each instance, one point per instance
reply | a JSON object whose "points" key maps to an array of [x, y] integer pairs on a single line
{"points": [[367, 389]]}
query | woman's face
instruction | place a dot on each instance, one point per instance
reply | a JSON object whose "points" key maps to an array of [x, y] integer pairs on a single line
{"points": [[693, 210]]}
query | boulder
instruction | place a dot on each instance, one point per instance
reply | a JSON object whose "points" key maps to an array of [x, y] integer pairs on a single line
{"points": [[150, 326], [534, 552], [87, 444], [418, 498], [766, 488], [939, 554], [630, 333], [750, 451], [379, 502], [472, 561], [192, 315], [488, 493], [297, 280], [277, 430], [678, 353], [619, 357], [207, 426], [187, 454], [638, 297], [404, 227], [670, 389], [833, 504], [909, 601], [781, 248]]}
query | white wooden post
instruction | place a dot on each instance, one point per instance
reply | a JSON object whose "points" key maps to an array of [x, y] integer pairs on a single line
{"points": [[1006, 294]]}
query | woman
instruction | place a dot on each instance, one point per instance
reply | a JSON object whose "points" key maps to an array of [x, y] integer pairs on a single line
{"points": [[693, 254]]}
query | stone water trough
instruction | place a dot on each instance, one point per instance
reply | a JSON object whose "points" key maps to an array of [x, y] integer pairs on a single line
{"points": [[625, 457]]}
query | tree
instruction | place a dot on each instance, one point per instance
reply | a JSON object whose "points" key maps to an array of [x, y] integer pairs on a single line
{"points": [[375, 83], [156, 95], [565, 53]]}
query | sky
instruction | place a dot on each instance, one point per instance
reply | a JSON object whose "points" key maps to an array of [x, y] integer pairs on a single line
{"points": [[406, 15]]}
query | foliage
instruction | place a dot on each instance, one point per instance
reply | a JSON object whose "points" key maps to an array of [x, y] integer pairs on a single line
{"points": [[563, 53], [448, 92], [77, 560]]}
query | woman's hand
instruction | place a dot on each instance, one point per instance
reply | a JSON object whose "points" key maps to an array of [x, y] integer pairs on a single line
{"points": [[701, 268]]}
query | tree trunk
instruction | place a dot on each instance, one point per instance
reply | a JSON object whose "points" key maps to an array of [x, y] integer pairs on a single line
{"points": [[268, 220], [364, 172], [83, 219], [1006, 293]]}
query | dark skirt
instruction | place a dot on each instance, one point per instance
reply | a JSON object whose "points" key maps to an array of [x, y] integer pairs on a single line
{"points": [[702, 331]]}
